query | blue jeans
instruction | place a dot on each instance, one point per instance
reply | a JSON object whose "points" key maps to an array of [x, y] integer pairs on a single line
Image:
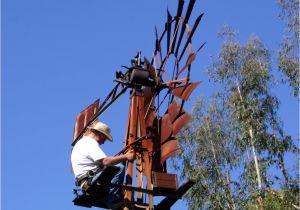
{"points": [[114, 192]]}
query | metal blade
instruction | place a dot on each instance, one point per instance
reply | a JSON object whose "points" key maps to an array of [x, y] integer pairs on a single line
{"points": [[173, 111], [184, 92], [84, 117], [166, 128], [191, 35], [150, 68], [178, 16], [169, 149], [200, 47], [190, 59], [186, 19], [157, 44], [189, 89], [102, 108], [168, 28], [180, 122], [79, 125]]}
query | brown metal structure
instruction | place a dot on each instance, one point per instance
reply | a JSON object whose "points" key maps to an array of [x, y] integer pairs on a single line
{"points": [[150, 131]]}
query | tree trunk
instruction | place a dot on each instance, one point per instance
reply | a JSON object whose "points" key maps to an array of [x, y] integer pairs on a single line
{"points": [[283, 170], [225, 184], [256, 159], [232, 204]]}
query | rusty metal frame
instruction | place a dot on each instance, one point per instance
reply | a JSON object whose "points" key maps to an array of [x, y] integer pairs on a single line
{"points": [[111, 98], [153, 137]]}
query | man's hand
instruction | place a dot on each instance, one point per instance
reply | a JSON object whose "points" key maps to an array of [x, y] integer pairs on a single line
{"points": [[110, 161], [130, 155]]}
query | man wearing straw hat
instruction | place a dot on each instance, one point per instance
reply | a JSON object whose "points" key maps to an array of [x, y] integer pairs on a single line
{"points": [[88, 158]]}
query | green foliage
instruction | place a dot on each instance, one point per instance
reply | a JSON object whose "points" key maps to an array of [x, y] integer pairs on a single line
{"points": [[208, 156], [238, 131], [288, 58], [290, 14], [289, 64], [245, 73], [275, 200]]}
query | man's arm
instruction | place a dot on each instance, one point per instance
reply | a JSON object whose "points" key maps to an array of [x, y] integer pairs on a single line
{"points": [[110, 161]]}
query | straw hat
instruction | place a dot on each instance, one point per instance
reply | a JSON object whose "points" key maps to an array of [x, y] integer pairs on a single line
{"points": [[103, 128]]}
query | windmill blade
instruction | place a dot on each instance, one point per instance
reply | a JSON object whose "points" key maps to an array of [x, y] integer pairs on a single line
{"points": [[169, 149], [178, 16], [184, 92], [84, 117], [189, 61], [150, 68], [157, 44], [186, 19], [173, 111], [79, 125], [180, 122], [191, 35], [166, 128], [200, 47], [168, 28], [112, 97]]}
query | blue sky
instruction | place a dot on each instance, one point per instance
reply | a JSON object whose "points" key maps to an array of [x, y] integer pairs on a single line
{"points": [[59, 56]]}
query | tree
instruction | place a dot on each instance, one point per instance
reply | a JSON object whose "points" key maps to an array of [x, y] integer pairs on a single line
{"points": [[288, 58], [239, 129], [209, 156], [246, 74]]}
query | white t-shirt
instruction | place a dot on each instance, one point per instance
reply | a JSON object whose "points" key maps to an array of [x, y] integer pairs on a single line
{"points": [[84, 155]]}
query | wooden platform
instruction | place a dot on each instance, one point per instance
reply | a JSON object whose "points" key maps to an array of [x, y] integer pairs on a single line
{"points": [[97, 194]]}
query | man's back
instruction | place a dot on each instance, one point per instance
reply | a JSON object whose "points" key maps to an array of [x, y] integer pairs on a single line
{"points": [[84, 155]]}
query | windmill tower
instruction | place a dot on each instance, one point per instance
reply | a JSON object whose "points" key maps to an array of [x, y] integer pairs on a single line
{"points": [[154, 117]]}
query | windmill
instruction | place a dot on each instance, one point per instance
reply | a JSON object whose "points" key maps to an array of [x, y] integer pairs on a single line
{"points": [[154, 118]]}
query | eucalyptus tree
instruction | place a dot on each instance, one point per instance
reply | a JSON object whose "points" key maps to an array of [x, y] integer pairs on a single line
{"points": [[245, 73], [209, 156], [288, 58]]}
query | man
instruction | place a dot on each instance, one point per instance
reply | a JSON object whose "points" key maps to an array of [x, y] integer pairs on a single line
{"points": [[88, 158]]}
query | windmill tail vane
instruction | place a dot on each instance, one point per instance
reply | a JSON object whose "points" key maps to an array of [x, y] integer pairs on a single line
{"points": [[151, 134]]}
